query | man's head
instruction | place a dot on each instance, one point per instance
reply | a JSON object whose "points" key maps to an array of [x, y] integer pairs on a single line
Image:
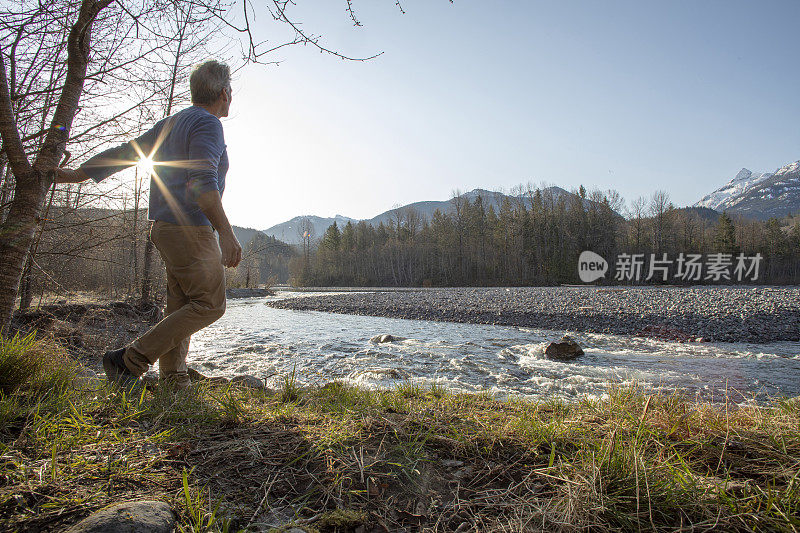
{"points": [[210, 85]]}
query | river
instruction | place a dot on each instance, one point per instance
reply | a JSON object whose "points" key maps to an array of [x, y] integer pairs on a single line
{"points": [[254, 338]]}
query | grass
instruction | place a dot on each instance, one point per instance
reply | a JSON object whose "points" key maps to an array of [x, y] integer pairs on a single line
{"points": [[341, 458], [26, 361]]}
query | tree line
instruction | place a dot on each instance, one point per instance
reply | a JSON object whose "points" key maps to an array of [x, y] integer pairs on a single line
{"points": [[535, 237]]}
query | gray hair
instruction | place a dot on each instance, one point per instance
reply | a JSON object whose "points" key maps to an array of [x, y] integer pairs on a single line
{"points": [[207, 80]]}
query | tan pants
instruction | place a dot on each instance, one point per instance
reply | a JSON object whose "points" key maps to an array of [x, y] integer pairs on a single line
{"points": [[195, 299]]}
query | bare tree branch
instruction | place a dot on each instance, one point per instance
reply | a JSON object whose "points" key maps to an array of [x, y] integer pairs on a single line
{"points": [[310, 39], [12, 144]]}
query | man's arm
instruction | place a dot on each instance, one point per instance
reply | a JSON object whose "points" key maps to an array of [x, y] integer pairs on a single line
{"points": [[112, 160], [206, 145], [210, 204], [67, 175]]}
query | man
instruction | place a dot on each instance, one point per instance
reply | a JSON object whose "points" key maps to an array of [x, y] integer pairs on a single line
{"points": [[190, 163]]}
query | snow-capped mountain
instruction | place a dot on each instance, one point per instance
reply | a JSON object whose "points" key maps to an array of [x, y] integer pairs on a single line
{"points": [[776, 196], [760, 196], [721, 199]]}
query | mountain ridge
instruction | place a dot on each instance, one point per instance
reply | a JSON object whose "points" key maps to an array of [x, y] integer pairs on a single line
{"points": [[720, 199], [288, 231], [758, 195]]}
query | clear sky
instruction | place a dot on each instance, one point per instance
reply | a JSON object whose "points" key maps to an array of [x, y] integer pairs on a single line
{"points": [[630, 95]]}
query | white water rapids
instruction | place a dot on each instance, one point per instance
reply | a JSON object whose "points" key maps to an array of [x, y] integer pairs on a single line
{"points": [[506, 361]]}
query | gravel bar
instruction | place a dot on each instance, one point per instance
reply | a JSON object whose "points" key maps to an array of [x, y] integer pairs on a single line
{"points": [[729, 314]]}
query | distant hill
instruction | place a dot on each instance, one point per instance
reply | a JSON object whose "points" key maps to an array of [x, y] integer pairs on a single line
{"points": [[244, 235], [489, 198], [759, 195], [703, 213], [428, 208], [288, 231]]}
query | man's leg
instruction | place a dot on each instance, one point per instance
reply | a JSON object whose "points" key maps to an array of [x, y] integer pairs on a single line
{"points": [[193, 256], [172, 365]]}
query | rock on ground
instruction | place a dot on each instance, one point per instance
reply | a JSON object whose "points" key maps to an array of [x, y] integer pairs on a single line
{"points": [[194, 375], [246, 380], [242, 380], [130, 517]]}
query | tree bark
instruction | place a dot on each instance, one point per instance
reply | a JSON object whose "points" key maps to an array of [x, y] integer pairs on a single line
{"points": [[26, 286], [147, 271], [6, 186]]}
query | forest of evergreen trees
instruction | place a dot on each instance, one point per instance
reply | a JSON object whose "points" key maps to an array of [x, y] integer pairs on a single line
{"points": [[535, 238]]}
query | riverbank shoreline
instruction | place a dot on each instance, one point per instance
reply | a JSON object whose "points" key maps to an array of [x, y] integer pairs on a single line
{"points": [[335, 457], [691, 314]]}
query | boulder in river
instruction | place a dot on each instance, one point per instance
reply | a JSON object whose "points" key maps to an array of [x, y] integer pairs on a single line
{"points": [[380, 339], [565, 349]]}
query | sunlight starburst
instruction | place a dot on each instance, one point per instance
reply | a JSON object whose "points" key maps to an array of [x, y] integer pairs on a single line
{"points": [[146, 165]]}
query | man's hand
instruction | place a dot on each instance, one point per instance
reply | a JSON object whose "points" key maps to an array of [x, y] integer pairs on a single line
{"points": [[211, 205], [231, 250], [67, 175]]}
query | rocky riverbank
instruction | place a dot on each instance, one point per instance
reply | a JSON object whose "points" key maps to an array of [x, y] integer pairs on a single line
{"points": [[732, 314], [248, 293]]}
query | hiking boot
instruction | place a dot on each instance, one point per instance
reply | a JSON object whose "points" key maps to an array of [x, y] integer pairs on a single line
{"points": [[117, 372]]}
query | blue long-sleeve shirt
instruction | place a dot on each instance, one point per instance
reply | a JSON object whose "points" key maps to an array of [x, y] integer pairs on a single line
{"points": [[190, 158]]}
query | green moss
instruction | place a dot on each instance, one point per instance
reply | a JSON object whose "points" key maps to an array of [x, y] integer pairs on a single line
{"points": [[341, 520]]}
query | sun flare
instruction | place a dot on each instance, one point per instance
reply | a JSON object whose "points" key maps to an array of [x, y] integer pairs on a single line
{"points": [[146, 165]]}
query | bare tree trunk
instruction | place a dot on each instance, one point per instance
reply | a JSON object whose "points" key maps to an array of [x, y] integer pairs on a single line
{"points": [[137, 191], [33, 181], [26, 285], [16, 235], [5, 187], [147, 271]]}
